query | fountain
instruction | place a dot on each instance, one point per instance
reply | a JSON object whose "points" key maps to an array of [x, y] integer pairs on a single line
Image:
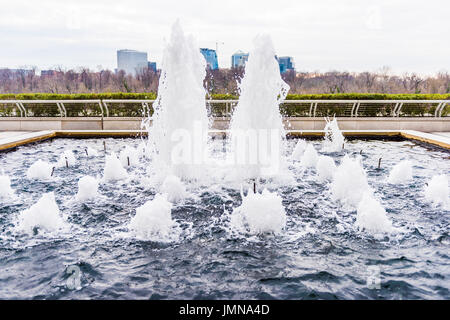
{"points": [[334, 139], [167, 219], [256, 129], [179, 131]]}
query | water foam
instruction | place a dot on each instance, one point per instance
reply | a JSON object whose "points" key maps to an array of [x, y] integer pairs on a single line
{"points": [[437, 191], [371, 216], [113, 170], [325, 168], [310, 157], [349, 181], [153, 220], [299, 149], [259, 213], [67, 158], [5, 187], [174, 188], [40, 170], [87, 188], [44, 214], [401, 173], [334, 139]]}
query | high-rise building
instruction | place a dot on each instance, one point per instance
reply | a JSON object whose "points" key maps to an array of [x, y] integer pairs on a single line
{"points": [[210, 57], [286, 63], [239, 59], [152, 66], [131, 61]]}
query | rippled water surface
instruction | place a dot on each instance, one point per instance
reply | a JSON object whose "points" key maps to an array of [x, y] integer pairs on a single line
{"points": [[320, 254]]}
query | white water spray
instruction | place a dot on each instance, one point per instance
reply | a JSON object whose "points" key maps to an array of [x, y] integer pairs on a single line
{"points": [[437, 191], [259, 213], [114, 170], [349, 181], [153, 220], [256, 123], [5, 187], [44, 214], [180, 127], [401, 173], [40, 170], [334, 139], [87, 189]]}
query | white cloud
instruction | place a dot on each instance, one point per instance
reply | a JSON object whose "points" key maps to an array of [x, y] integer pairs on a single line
{"points": [[320, 35]]}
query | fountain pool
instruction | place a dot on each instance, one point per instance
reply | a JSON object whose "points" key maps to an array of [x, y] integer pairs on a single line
{"points": [[321, 252]]}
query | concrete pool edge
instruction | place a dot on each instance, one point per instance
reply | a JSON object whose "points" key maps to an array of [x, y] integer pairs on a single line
{"points": [[30, 137]]}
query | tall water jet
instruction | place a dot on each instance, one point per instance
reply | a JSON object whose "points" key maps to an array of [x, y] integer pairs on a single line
{"points": [[256, 127], [180, 127]]}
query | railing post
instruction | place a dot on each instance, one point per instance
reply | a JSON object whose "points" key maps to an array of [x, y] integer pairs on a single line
{"points": [[356, 109], [20, 109], [353, 108], [63, 108], [399, 108], [24, 109], [442, 108], [436, 112], [60, 109]]}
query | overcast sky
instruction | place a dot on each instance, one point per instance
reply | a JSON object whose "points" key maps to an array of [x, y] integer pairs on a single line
{"points": [[321, 35]]}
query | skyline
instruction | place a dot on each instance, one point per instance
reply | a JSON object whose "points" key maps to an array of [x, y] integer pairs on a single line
{"points": [[89, 33]]}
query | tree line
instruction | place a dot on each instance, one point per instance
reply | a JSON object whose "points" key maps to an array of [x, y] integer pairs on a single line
{"points": [[220, 81]]}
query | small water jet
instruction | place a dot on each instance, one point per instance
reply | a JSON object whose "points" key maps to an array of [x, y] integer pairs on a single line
{"points": [[437, 191], [325, 168], [129, 156], [174, 188], [44, 214], [67, 158], [310, 157], [299, 149], [334, 139], [259, 213], [349, 181], [153, 220], [5, 187], [87, 188], [40, 170], [114, 170], [371, 216], [401, 173]]}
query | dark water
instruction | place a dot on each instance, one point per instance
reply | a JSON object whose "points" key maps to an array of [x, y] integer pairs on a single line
{"points": [[320, 254]]}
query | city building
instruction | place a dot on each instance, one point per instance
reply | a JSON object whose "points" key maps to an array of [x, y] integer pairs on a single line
{"points": [[239, 59], [210, 57], [131, 61], [286, 63], [152, 66]]}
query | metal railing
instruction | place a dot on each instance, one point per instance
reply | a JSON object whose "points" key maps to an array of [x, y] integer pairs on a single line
{"points": [[224, 108]]}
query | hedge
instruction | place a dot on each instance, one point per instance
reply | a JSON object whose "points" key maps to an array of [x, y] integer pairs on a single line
{"points": [[218, 109], [152, 95]]}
